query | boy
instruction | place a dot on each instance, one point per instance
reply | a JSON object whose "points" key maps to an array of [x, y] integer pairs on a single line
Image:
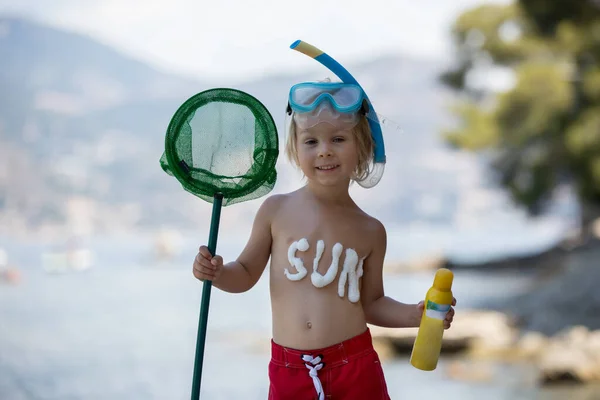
{"points": [[326, 257]]}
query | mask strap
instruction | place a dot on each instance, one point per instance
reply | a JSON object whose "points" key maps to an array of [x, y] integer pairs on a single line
{"points": [[364, 108]]}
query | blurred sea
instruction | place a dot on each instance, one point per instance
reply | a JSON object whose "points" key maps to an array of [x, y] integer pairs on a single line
{"points": [[126, 329]]}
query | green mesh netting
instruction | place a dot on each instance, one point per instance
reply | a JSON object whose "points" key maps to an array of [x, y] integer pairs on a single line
{"points": [[222, 140]]}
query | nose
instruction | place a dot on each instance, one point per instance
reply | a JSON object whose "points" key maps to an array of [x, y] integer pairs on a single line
{"points": [[324, 150]]}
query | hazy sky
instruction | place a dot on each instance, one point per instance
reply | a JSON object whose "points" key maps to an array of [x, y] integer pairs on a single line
{"points": [[240, 39]]}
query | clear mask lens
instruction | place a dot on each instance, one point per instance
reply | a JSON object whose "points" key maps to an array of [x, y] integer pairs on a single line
{"points": [[325, 113], [306, 97]]}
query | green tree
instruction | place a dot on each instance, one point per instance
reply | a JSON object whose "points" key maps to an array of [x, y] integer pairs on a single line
{"points": [[545, 129]]}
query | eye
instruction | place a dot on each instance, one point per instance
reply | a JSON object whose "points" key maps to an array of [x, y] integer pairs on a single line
{"points": [[310, 142], [339, 139]]}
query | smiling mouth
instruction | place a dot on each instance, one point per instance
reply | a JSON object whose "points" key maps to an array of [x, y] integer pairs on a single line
{"points": [[327, 167]]}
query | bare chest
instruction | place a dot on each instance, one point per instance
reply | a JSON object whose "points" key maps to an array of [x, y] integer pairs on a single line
{"points": [[329, 255]]}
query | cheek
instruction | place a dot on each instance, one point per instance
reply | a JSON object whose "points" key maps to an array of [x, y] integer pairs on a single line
{"points": [[351, 155], [304, 156]]}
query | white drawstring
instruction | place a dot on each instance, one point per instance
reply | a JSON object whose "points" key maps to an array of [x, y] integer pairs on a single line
{"points": [[314, 364]]}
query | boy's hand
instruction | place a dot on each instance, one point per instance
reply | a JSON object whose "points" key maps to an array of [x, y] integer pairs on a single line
{"points": [[449, 315], [207, 267]]}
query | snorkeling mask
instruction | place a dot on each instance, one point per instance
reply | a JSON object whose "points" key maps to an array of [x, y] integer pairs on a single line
{"points": [[336, 103]]}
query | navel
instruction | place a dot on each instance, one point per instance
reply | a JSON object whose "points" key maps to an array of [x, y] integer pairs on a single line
{"points": [[309, 325]]}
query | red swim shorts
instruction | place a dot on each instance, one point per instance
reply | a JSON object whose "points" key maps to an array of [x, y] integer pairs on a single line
{"points": [[350, 370]]}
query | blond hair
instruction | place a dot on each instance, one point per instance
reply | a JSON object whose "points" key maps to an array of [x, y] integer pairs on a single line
{"points": [[364, 147]]}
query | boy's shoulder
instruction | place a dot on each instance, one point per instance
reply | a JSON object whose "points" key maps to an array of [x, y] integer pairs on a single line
{"points": [[371, 224], [274, 202]]}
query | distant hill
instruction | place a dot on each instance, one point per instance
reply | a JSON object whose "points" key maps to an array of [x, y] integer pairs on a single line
{"points": [[82, 129], [78, 118]]}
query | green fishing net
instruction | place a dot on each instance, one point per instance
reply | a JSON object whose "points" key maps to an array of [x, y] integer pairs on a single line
{"points": [[222, 146], [222, 141]]}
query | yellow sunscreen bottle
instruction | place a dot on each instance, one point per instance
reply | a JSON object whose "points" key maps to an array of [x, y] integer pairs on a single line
{"points": [[428, 344]]}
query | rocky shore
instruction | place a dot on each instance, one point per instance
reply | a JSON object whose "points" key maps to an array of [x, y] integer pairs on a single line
{"points": [[555, 326], [571, 355], [571, 298]]}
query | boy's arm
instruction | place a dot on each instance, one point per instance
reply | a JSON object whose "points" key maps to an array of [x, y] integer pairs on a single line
{"points": [[242, 274], [379, 309]]}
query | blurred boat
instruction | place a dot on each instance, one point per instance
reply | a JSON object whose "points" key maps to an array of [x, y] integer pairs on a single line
{"points": [[8, 274], [72, 257], [167, 245]]}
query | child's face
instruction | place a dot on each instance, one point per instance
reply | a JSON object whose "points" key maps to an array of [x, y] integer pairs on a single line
{"points": [[327, 155]]}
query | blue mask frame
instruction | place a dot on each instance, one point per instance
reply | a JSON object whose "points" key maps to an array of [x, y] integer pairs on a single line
{"points": [[343, 97]]}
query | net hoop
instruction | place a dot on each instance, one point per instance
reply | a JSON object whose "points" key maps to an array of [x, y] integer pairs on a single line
{"points": [[180, 122]]}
